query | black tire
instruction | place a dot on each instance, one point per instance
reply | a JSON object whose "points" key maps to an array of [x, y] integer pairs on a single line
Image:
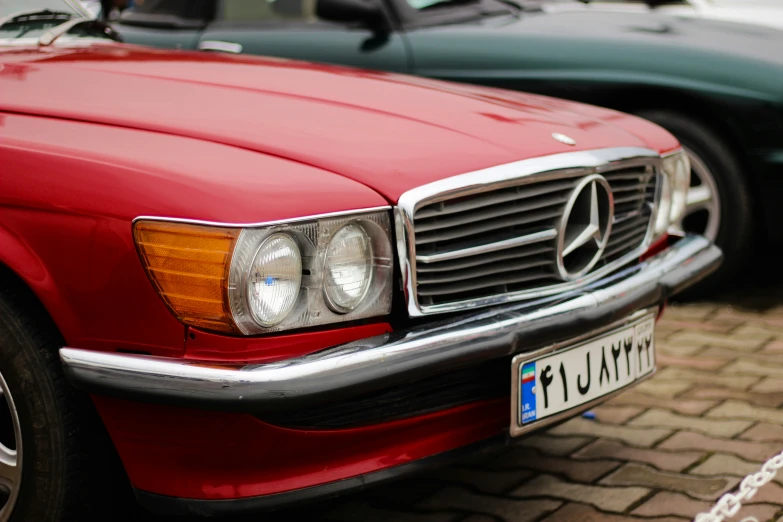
{"points": [[736, 231], [69, 467]]}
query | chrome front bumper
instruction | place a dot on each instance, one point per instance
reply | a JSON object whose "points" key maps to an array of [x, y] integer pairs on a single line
{"points": [[399, 357]]}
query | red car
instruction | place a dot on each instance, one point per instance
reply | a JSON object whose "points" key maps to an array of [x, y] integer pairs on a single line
{"points": [[276, 281]]}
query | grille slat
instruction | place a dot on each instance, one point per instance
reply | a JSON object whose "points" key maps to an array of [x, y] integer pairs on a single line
{"points": [[483, 270], [494, 198], [485, 282], [503, 240], [486, 226], [486, 259], [482, 214]]}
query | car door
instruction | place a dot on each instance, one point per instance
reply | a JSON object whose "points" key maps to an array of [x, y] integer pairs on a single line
{"points": [[291, 29]]}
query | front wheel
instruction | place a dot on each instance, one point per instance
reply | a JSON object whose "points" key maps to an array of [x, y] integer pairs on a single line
{"points": [[56, 462], [718, 201]]}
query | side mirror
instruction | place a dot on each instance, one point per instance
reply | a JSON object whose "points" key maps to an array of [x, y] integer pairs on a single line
{"points": [[368, 13]]}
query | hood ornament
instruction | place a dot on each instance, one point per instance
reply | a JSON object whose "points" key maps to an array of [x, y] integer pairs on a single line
{"points": [[562, 138]]}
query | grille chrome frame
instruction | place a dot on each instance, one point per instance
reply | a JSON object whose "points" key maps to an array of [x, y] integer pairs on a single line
{"points": [[567, 165]]}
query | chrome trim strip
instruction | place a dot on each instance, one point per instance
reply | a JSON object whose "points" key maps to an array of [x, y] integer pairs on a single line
{"points": [[519, 360], [384, 360], [491, 247], [263, 223], [526, 171]]}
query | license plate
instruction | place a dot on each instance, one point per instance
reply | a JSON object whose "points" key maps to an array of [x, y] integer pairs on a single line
{"points": [[578, 374]]}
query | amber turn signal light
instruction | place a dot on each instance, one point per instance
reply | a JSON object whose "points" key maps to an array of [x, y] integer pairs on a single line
{"points": [[189, 266]]}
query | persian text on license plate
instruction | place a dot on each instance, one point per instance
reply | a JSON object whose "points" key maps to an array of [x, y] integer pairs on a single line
{"points": [[579, 374]]}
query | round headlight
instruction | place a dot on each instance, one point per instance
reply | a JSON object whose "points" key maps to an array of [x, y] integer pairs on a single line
{"points": [[680, 184], [348, 268], [275, 279]]}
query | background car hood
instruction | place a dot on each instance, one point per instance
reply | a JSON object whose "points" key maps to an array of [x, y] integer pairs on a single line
{"points": [[744, 57], [389, 132]]}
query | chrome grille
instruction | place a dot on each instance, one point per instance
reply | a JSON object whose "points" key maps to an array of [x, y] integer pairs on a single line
{"points": [[470, 246]]}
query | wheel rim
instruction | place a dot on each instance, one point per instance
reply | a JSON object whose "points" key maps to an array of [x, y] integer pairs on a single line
{"points": [[10, 452], [702, 209]]}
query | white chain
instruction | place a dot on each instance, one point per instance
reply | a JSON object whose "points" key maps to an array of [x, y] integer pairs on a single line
{"points": [[730, 503]]}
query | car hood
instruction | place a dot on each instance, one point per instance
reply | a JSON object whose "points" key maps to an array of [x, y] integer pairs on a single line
{"points": [[389, 132], [597, 48]]}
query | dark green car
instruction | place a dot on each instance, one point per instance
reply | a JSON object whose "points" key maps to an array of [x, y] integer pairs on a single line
{"points": [[717, 86]]}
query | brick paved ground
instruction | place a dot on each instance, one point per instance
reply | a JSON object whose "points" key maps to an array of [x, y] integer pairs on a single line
{"points": [[662, 452]]}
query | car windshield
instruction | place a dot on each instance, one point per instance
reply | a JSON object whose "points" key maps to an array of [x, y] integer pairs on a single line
{"points": [[23, 19], [9, 7]]}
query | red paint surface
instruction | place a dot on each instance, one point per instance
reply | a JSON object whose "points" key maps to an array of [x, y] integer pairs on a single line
{"points": [[212, 455], [387, 131], [205, 346]]}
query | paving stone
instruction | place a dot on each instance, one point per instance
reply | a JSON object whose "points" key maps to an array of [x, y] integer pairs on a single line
{"points": [[574, 512], [689, 312], [686, 407], [647, 477], [663, 388], [755, 331], [615, 499], [731, 355], [558, 446], [720, 464], [764, 432], [702, 338], [609, 414], [688, 377], [531, 459], [771, 493], [739, 317], [635, 436], [677, 504], [359, 510], [664, 460], [743, 410], [774, 347], [710, 326], [761, 399], [768, 385], [747, 367], [702, 362], [493, 482], [662, 418], [686, 440], [508, 509], [677, 349]]}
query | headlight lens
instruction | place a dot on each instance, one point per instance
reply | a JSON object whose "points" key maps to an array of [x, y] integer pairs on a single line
{"points": [[283, 276], [675, 182], [274, 280], [348, 268]]}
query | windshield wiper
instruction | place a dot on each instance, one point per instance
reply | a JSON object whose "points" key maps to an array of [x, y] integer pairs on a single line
{"points": [[38, 13], [446, 3]]}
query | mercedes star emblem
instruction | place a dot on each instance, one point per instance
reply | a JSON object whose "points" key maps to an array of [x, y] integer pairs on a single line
{"points": [[562, 138], [585, 227]]}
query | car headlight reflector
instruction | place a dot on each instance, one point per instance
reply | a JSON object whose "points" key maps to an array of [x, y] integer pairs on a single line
{"points": [[672, 202], [274, 280], [348, 268], [681, 174]]}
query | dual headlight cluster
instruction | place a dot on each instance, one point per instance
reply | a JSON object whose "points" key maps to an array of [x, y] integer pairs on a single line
{"points": [[675, 182], [262, 279]]}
